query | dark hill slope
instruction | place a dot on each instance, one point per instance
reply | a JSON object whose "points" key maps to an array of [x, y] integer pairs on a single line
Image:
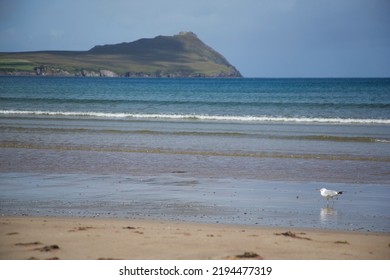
{"points": [[183, 55]]}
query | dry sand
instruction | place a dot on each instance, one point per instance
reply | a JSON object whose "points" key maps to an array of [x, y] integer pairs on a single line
{"points": [[80, 239]]}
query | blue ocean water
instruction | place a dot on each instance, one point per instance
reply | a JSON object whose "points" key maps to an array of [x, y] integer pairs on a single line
{"points": [[280, 100], [180, 147]]}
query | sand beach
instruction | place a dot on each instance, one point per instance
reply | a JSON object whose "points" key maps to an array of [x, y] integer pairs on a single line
{"points": [[85, 238]]}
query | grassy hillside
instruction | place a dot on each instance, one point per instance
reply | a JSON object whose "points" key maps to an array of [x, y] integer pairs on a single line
{"points": [[182, 55]]}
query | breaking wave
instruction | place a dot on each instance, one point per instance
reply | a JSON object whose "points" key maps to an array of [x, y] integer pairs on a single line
{"points": [[276, 119]]}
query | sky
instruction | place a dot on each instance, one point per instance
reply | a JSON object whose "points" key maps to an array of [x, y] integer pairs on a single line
{"points": [[261, 38]]}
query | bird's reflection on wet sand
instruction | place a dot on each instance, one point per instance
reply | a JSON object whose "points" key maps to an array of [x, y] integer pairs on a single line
{"points": [[328, 214]]}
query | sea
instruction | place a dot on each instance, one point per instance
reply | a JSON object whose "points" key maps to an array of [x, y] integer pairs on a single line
{"points": [[250, 151]]}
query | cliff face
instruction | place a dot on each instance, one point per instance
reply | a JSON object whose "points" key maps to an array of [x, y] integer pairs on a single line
{"points": [[182, 55]]}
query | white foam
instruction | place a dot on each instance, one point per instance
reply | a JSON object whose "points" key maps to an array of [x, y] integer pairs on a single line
{"points": [[198, 117], [382, 141]]}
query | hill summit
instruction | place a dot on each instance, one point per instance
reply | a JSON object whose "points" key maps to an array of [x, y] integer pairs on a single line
{"points": [[181, 55]]}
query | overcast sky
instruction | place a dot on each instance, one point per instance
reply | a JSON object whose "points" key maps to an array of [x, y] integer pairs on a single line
{"points": [[262, 38]]}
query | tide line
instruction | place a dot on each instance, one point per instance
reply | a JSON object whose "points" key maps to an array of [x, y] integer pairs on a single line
{"points": [[21, 145]]}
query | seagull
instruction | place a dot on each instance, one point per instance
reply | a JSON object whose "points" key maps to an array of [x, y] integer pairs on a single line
{"points": [[329, 194]]}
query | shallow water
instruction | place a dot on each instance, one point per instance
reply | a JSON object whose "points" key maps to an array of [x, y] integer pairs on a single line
{"points": [[297, 152], [177, 197]]}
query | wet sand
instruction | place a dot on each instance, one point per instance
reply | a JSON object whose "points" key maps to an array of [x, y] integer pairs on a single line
{"points": [[86, 238], [177, 197]]}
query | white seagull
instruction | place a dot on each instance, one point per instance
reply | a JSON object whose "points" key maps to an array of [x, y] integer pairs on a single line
{"points": [[329, 193]]}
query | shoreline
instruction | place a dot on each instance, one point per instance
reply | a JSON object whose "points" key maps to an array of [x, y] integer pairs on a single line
{"points": [[33, 237]]}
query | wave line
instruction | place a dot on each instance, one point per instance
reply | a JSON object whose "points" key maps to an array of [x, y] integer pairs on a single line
{"points": [[225, 118]]}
